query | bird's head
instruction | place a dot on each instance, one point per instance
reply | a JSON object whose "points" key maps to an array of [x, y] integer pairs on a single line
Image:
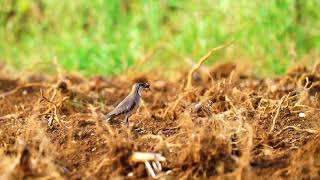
{"points": [[138, 87]]}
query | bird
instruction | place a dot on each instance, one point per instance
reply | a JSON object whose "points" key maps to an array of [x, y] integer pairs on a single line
{"points": [[129, 104]]}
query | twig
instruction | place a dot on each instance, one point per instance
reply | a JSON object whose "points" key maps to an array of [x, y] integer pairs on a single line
{"points": [[55, 106], [54, 94], [45, 98], [316, 67], [203, 69], [104, 162], [174, 105], [203, 59], [3, 95], [151, 136], [277, 113], [312, 131], [14, 115]]}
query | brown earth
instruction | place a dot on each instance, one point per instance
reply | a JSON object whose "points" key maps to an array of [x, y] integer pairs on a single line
{"points": [[231, 124]]}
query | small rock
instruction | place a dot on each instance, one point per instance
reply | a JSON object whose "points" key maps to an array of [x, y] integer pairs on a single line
{"points": [[302, 115], [25, 92]]}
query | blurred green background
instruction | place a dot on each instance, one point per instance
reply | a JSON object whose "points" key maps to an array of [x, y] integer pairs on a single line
{"points": [[109, 36]]}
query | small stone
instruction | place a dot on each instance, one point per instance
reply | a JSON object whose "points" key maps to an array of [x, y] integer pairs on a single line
{"points": [[302, 115], [273, 88], [25, 92]]}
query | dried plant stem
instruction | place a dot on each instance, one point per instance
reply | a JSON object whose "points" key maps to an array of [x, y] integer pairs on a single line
{"points": [[13, 115], [175, 104], [245, 159], [312, 131], [277, 113], [202, 60], [151, 136], [55, 106], [316, 67], [104, 162], [3, 95], [201, 69]]}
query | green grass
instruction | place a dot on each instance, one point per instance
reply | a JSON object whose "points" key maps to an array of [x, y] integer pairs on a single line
{"points": [[106, 37]]}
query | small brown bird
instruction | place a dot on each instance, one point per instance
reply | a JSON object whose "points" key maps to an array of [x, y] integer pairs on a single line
{"points": [[129, 104]]}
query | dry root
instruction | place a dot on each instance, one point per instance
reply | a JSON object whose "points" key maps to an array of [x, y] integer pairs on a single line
{"points": [[146, 158], [202, 60]]}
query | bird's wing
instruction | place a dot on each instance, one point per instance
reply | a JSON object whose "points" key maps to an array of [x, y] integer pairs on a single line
{"points": [[125, 106]]}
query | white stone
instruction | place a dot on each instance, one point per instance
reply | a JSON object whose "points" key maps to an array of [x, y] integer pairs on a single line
{"points": [[302, 115]]}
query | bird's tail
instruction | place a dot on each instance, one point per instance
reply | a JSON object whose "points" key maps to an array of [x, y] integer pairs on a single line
{"points": [[109, 116]]}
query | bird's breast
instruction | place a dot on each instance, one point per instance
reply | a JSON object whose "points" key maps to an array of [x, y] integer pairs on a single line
{"points": [[137, 101]]}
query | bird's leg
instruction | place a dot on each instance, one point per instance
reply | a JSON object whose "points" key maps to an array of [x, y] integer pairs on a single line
{"points": [[127, 120]]}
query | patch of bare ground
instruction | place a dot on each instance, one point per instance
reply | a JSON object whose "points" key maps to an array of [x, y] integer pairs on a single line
{"points": [[228, 124]]}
